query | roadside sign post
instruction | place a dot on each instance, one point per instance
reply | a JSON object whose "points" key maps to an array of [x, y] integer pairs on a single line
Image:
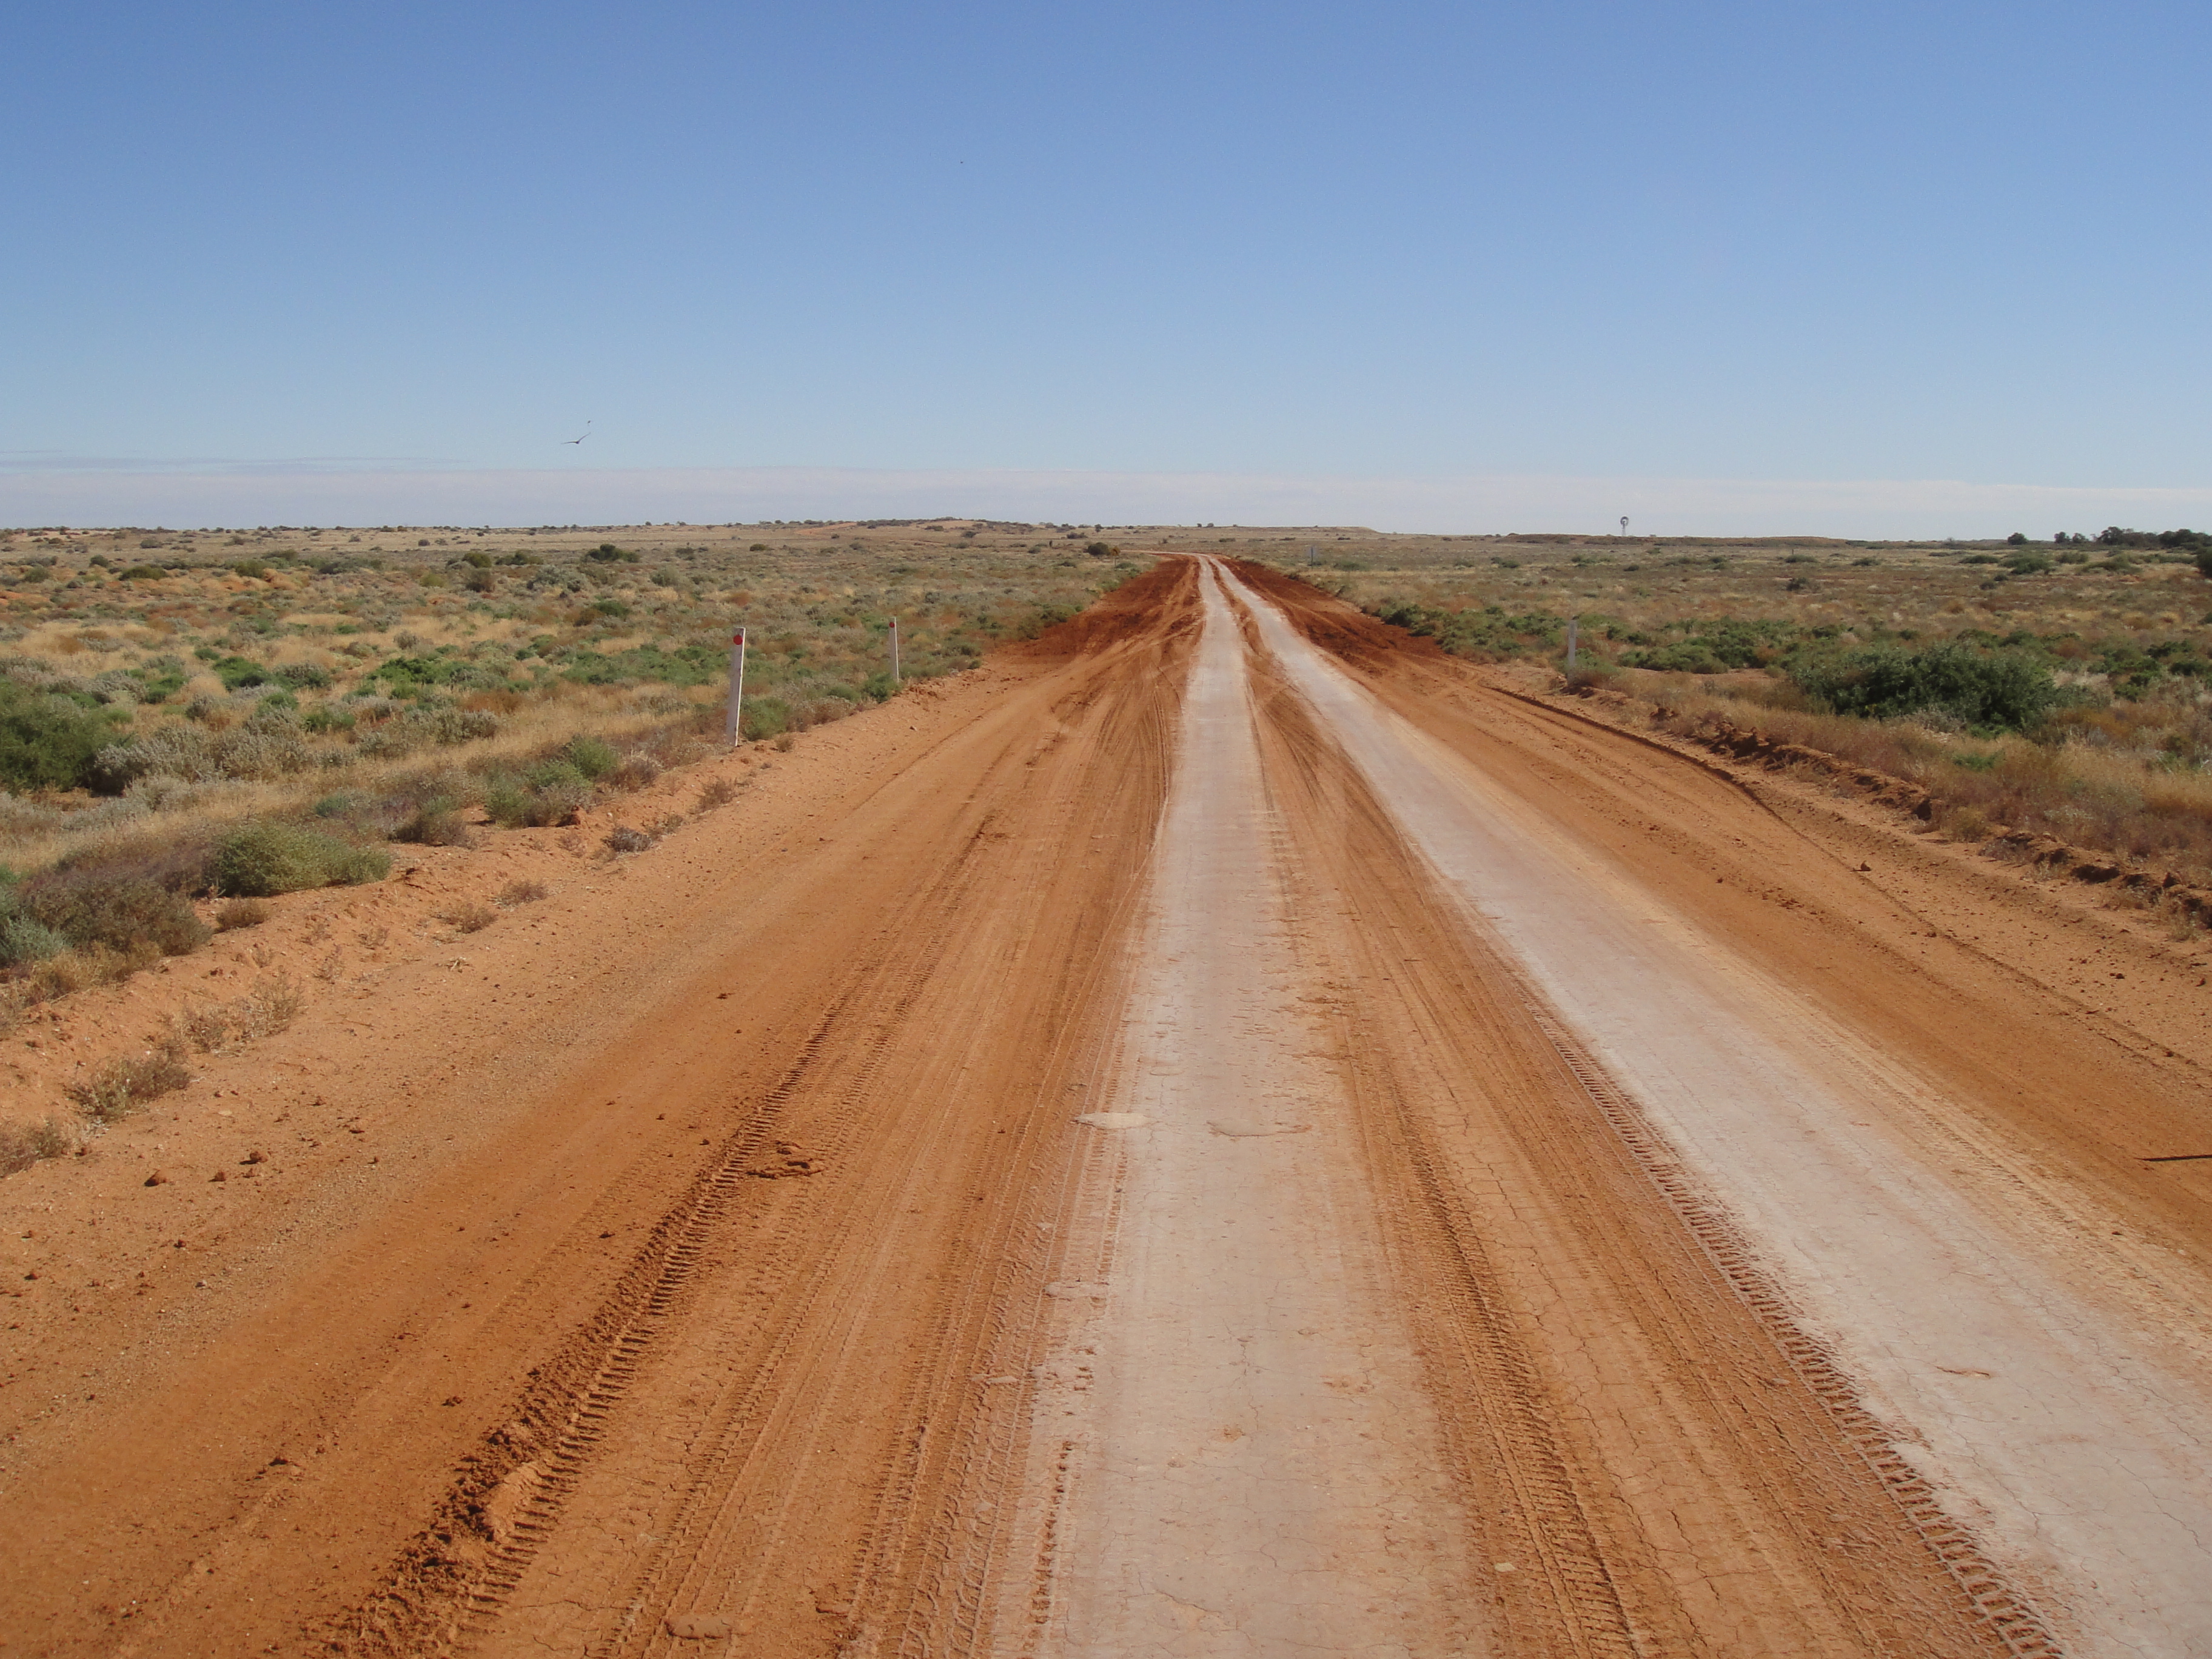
{"points": [[730, 734], [1572, 621], [894, 662]]}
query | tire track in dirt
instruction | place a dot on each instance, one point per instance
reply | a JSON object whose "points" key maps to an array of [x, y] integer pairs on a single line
{"points": [[922, 1489], [2015, 1623], [1960, 1311], [781, 1315], [1617, 1407], [1236, 1452]]}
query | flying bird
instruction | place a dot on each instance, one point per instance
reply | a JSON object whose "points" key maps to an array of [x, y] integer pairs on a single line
{"points": [[587, 433]]}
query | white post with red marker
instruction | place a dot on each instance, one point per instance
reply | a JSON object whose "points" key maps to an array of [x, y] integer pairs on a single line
{"points": [[730, 734]]}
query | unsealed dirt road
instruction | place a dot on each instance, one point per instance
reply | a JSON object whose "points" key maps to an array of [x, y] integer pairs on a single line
{"points": [[1228, 1135]]}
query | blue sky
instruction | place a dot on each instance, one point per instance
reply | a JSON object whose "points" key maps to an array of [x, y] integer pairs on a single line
{"points": [[1834, 243]]}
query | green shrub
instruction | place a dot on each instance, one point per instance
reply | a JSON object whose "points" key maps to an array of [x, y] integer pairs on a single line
{"points": [[237, 673], [507, 800], [159, 680], [591, 757], [48, 742], [765, 717], [552, 792], [144, 572], [126, 911], [553, 774], [1687, 657], [23, 940], [265, 859], [1986, 690]]}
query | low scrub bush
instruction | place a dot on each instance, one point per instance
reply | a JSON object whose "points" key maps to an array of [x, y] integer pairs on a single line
{"points": [[125, 911], [522, 891], [184, 752], [422, 728], [1966, 824], [590, 758], [263, 859], [435, 823], [550, 792], [241, 913], [716, 792], [764, 717], [623, 839], [176, 860], [23, 940], [269, 1008], [634, 771], [468, 918], [1988, 690], [22, 1144], [127, 1084], [77, 969], [48, 741], [269, 743]]}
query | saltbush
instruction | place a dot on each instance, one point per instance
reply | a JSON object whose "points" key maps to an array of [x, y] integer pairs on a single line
{"points": [[129, 911], [1989, 690], [48, 742], [551, 791], [22, 939], [590, 758], [263, 859]]}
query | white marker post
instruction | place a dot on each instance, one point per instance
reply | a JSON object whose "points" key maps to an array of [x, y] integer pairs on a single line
{"points": [[1572, 621], [895, 666], [730, 734]]}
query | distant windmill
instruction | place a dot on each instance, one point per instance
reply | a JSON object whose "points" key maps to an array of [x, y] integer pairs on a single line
{"points": [[1623, 524]]}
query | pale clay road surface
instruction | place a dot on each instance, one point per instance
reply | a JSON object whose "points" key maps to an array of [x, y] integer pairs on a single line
{"points": [[1257, 1473]]}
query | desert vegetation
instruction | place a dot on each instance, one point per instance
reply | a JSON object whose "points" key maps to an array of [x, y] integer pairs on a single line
{"points": [[2062, 686], [188, 717]]}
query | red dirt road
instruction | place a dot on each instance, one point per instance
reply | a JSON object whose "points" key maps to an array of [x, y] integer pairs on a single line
{"points": [[1221, 1135]]}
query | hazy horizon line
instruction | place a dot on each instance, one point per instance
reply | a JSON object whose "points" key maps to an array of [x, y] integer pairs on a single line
{"points": [[298, 493]]}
